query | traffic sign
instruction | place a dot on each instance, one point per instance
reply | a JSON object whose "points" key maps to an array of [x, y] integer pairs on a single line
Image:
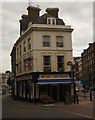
{"points": [[69, 63]]}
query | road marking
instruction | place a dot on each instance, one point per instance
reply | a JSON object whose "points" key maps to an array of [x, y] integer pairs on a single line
{"points": [[79, 114], [20, 105], [48, 105]]}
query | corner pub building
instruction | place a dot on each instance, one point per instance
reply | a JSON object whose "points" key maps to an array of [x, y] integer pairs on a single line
{"points": [[40, 55]]}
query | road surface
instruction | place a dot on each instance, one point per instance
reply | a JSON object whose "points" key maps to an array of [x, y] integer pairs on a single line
{"points": [[19, 109]]}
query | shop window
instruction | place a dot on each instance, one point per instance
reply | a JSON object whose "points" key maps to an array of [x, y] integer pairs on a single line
{"points": [[46, 41], [43, 90], [59, 41], [47, 63], [60, 63]]}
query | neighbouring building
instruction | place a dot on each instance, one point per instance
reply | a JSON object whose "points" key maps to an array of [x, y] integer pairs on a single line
{"points": [[80, 68], [78, 71], [41, 54], [77, 67], [13, 68], [4, 79], [88, 65]]}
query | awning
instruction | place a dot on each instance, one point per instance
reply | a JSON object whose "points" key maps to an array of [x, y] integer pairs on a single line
{"points": [[55, 80]]}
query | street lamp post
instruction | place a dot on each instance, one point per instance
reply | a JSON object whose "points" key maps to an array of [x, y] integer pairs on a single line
{"points": [[69, 63], [74, 85]]}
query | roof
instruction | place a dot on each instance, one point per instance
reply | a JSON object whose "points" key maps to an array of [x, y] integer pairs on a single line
{"points": [[43, 19]]}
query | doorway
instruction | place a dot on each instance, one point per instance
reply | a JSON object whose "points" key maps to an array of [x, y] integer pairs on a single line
{"points": [[54, 92]]}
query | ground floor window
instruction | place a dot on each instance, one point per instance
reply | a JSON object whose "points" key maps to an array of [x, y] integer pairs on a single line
{"points": [[43, 89], [56, 91]]}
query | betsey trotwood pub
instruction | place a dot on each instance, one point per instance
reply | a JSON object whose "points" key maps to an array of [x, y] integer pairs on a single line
{"points": [[40, 55]]}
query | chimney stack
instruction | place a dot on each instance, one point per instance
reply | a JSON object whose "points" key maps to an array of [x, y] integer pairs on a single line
{"points": [[33, 13], [53, 11], [23, 23]]}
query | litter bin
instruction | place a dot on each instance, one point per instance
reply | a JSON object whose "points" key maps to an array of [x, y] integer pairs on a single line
{"points": [[68, 99]]}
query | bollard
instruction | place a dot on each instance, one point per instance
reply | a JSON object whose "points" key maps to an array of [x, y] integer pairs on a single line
{"points": [[90, 96]]}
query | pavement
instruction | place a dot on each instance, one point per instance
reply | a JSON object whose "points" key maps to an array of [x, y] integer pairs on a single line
{"points": [[81, 99], [84, 97]]}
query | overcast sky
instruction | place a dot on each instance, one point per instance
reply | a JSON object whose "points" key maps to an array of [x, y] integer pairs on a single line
{"points": [[77, 14]]}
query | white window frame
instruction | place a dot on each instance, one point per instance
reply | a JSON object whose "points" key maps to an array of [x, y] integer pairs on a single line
{"points": [[50, 21]]}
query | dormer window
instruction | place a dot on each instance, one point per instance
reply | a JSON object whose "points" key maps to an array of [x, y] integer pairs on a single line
{"points": [[51, 21]]}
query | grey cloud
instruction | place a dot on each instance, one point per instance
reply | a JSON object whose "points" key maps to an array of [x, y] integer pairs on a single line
{"points": [[77, 11]]}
